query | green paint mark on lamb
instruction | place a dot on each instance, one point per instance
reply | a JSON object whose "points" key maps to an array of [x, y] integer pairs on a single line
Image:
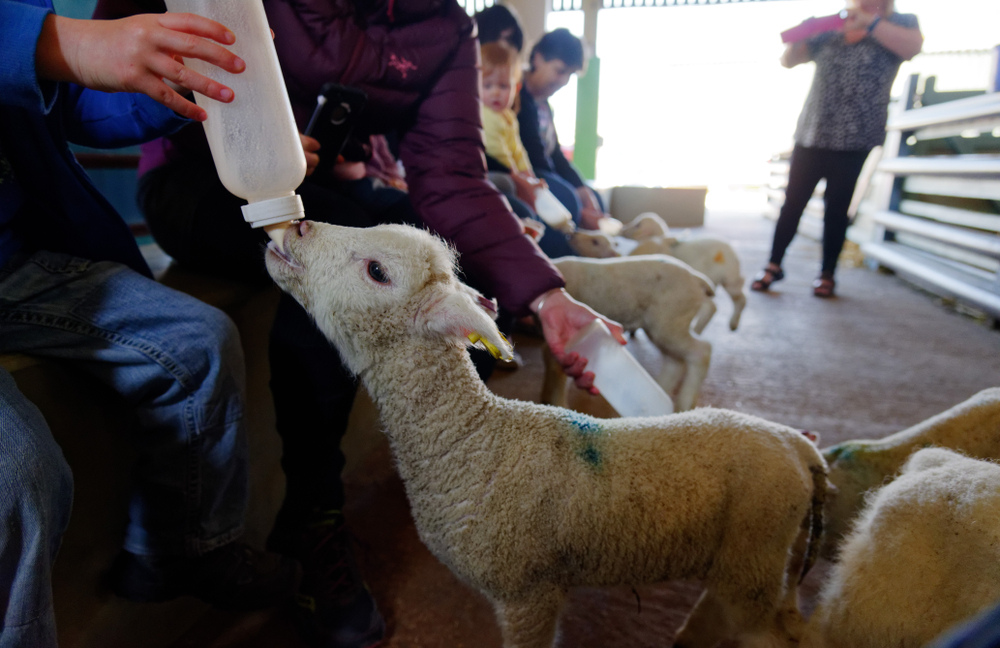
{"points": [[591, 455], [585, 424], [589, 431]]}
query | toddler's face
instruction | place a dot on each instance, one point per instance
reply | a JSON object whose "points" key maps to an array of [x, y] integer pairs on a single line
{"points": [[498, 89]]}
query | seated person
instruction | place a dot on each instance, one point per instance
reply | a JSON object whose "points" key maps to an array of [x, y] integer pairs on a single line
{"points": [[556, 57], [500, 23], [74, 288], [501, 75]]}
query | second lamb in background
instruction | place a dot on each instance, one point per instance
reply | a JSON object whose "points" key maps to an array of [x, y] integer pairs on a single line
{"points": [[714, 258]]}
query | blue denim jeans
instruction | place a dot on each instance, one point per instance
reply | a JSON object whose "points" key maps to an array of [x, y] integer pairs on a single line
{"points": [[177, 361]]}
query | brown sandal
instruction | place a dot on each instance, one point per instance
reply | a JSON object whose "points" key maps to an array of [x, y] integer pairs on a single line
{"points": [[763, 280], [824, 285]]}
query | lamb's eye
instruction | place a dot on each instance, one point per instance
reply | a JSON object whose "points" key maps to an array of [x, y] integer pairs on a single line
{"points": [[375, 272]]}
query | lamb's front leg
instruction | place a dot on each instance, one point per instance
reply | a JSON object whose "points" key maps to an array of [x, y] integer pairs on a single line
{"points": [[530, 621]]}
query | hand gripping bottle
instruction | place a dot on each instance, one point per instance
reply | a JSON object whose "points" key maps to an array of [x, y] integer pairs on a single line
{"points": [[618, 375], [254, 140]]}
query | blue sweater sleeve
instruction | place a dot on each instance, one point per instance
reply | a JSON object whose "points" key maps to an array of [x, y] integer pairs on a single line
{"points": [[113, 120], [20, 26]]}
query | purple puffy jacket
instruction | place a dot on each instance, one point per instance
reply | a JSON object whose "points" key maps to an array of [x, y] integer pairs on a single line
{"points": [[418, 62]]}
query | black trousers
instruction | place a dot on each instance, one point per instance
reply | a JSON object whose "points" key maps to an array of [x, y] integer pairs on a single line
{"points": [[199, 223], [841, 170]]}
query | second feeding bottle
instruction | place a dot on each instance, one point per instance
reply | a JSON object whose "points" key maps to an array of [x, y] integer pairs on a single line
{"points": [[254, 140]]}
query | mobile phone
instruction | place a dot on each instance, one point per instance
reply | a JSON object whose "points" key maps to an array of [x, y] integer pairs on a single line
{"points": [[337, 110]]}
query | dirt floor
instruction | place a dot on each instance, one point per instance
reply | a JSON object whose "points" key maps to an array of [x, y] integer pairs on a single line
{"points": [[876, 359]]}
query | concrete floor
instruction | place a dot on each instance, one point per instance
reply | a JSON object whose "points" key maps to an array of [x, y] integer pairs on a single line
{"points": [[876, 359]]}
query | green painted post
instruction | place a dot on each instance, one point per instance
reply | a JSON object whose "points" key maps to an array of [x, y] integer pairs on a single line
{"points": [[585, 146]]}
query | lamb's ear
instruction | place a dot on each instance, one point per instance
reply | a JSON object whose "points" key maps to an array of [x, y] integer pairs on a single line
{"points": [[464, 314]]}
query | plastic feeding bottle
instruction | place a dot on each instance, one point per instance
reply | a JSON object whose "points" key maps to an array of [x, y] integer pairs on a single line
{"points": [[622, 380], [254, 140]]}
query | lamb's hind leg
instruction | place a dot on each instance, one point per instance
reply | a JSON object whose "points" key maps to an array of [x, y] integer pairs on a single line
{"points": [[706, 625], [695, 355], [705, 315], [530, 622], [739, 303]]}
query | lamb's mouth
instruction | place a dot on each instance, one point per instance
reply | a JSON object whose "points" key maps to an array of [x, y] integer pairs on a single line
{"points": [[285, 257]]}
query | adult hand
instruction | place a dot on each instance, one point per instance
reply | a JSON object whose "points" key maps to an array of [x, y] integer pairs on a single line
{"points": [[309, 146], [137, 54], [857, 19], [561, 317], [856, 25], [348, 171], [590, 219]]}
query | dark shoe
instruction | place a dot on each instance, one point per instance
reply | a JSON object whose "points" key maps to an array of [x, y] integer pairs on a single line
{"points": [[334, 608], [762, 282], [824, 285], [232, 577]]}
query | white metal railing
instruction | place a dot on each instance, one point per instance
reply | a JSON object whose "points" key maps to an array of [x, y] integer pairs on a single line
{"points": [[935, 217]]}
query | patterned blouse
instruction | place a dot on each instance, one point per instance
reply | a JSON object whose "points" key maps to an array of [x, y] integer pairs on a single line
{"points": [[847, 106]]}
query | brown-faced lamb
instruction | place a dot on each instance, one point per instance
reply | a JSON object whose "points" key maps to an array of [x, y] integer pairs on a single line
{"points": [[714, 258], [658, 294], [971, 427], [524, 501], [593, 244], [923, 555]]}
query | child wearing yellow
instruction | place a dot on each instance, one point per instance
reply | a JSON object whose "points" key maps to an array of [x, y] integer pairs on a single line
{"points": [[507, 160], [501, 132]]}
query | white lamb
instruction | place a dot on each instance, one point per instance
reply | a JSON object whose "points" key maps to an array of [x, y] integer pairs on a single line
{"points": [[658, 294], [971, 427], [593, 244], [923, 556], [715, 259], [646, 225], [524, 501]]}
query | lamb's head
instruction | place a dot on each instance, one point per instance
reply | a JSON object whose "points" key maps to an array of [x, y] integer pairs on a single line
{"points": [[382, 288], [593, 244], [646, 225], [856, 467]]}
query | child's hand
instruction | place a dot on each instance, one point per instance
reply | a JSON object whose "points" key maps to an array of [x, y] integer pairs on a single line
{"points": [[526, 184], [533, 228], [137, 54]]}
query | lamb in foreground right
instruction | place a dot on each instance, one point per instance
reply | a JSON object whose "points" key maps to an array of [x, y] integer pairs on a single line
{"points": [[524, 501], [857, 467], [923, 556]]}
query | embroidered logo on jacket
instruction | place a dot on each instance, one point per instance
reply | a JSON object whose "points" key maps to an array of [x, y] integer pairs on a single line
{"points": [[401, 65]]}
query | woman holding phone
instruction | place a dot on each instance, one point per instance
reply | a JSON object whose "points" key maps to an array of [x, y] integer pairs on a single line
{"points": [[843, 119]]}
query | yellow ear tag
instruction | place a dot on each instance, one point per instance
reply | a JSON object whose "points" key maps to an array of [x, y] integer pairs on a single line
{"points": [[475, 337]]}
